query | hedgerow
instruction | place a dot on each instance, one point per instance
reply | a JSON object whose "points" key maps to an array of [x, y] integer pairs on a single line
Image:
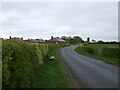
{"points": [[111, 52], [85, 49], [105, 52], [20, 61]]}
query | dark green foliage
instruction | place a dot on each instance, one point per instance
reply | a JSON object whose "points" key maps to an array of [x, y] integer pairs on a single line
{"points": [[73, 40], [102, 42]]}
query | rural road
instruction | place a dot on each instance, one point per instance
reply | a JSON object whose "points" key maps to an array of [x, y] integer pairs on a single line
{"points": [[88, 72]]}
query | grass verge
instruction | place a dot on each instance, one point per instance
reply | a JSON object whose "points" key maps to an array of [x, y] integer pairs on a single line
{"points": [[109, 60], [52, 74]]}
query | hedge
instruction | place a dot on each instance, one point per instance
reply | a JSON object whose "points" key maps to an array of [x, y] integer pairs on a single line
{"points": [[85, 49], [111, 52], [20, 61]]}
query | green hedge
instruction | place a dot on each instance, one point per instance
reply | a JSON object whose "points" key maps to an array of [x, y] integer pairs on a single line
{"points": [[107, 53], [85, 49], [20, 61], [111, 52]]}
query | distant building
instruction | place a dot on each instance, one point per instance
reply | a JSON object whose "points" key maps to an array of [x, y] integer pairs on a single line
{"points": [[16, 38], [36, 40], [56, 40], [10, 37], [88, 39]]}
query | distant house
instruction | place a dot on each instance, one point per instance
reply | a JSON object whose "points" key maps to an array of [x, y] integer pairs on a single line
{"points": [[56, 40], [16, 38], [36, 40]]}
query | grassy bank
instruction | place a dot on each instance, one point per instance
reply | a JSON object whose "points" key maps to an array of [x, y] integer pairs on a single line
{"points": [[52, 73], [27, 65], [106, 52]]}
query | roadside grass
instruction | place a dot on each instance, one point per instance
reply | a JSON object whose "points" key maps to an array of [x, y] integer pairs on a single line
{"points": [[52, 73], [98, 51], [109, 60]]}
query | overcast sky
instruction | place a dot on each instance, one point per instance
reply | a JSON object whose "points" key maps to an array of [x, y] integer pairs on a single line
{"points": [[97, 20]]}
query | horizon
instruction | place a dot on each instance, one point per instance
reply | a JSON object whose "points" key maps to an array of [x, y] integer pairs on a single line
{"points": [[85, 39]]}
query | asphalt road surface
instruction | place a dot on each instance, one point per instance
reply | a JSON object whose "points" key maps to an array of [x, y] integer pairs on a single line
{"points": [[88, 72]]}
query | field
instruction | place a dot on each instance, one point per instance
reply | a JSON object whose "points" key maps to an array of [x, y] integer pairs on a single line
{"points": [[27, 65], [106, 52]]}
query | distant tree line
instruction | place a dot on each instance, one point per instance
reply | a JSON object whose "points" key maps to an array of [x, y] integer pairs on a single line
{"points": [[73, 40], [102, 42]]}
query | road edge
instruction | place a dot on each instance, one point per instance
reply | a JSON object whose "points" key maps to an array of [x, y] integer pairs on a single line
{"points": [[68, 70]]}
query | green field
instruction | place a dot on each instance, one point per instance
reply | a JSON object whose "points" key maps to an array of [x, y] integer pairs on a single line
{"points": [[106, 52], [27, 65]]}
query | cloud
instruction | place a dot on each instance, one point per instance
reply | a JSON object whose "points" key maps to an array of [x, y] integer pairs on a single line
{"points": [[43, 19]]}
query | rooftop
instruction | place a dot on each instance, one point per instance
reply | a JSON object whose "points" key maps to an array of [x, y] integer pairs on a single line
{"points": [[57, 39]]}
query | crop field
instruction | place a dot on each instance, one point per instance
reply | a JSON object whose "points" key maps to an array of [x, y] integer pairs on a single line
{"points": [[106, 52], [27, 65]]}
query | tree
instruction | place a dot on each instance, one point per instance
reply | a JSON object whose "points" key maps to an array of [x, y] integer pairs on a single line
{"points": [[100, 42], [77, 39], [73, 40], [94, 41]]}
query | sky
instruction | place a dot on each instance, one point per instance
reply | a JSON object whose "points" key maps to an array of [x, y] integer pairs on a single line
{"points": [[97, 20]]}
